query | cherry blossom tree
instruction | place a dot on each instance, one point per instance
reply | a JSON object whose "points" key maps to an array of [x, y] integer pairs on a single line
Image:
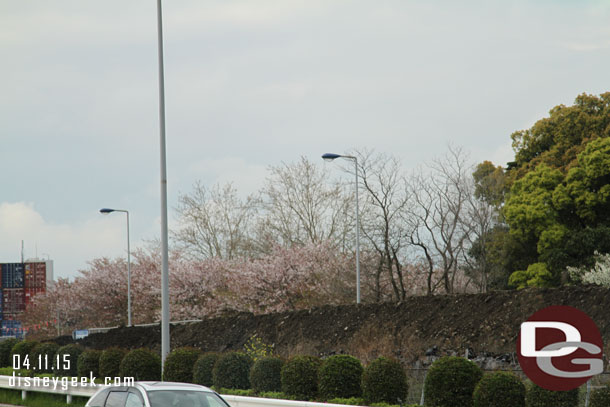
{"points": [[286, 279], [288, 247], [53, 312], [295, 278], [598, 274]]}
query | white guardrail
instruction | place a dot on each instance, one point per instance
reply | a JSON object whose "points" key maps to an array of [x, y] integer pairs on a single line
{"points": [[70, 390], [239, 401], [108, 328]]}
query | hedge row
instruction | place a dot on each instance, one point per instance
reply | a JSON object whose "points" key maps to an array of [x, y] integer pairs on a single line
{"points": [[74, 360], [303, 377], [450, 381], [458, 382], [300, 377]]}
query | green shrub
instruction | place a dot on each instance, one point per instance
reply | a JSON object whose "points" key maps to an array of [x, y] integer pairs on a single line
{"points": [[43, 356], [600, 397], [68, 360], [110, 362], [5, 352], [340, 377], [23, 349], [300, 377], [202, 371], [89, 363], [539, 397], [351, 401], [265, 374], [179, 365], [536, 275], [231, 371], [236, 392], [384, 380], [499, 389], [450, 382], [142, 365]]}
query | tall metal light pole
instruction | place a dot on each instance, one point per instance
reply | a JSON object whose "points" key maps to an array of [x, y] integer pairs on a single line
{"points": [[330, 157], [164, 236], [106, 211]]}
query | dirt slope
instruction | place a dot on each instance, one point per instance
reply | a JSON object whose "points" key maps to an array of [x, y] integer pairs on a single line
{"points": [[487, 324]]}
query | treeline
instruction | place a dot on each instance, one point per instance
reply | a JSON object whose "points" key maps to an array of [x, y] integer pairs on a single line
{"points": [[416, 228], [447, 227]]}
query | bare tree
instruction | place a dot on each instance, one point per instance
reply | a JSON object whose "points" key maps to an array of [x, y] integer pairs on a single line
{"points": [[438, 217], [488, 184], [215, 222], [482, 217], [301, 206], [384, 200]]}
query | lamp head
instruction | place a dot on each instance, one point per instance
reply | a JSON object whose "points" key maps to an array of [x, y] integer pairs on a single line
{"points": [[106, 211], [330, 156]]}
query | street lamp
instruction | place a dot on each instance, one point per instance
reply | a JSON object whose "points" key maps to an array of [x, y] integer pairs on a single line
{"points": [[106, 211], [164, 227], [331, 157]]}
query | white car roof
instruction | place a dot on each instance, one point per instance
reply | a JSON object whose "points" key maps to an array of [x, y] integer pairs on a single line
{"points": [[152, 386]]}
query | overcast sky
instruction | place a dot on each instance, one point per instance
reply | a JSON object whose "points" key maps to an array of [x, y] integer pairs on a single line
{"points": [[252, 83]]}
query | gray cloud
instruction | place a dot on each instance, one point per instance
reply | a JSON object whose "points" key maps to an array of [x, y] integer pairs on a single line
{"points": [[250, 84]]}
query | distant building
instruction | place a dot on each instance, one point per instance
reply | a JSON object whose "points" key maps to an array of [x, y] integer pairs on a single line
{"points": [[20, 282]]}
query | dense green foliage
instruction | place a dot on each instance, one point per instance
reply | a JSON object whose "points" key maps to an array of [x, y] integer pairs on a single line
{"points": [[23, 349], [142, 365], [384, 380], [300, 377], [536, 275], [88, 363], [43, 356], [179, 365], [450, 382], [6, 346], [499, 389], [553, 199], [530, 214], [600, 397], [340, 376], [559, 138], [232, 371], [110, 362], [68, 360], [564, 217], [539, 397], [559, 200], [202, 370], [265, 374]]}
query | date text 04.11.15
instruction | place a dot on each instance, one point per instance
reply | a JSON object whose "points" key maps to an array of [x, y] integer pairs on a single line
{"points": [[42, 362]]}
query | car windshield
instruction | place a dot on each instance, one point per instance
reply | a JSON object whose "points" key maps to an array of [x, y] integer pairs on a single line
{"points": [[184, 398]]}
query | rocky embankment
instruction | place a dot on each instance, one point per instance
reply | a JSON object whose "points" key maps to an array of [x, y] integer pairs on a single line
{"points": [[484, 326]]}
